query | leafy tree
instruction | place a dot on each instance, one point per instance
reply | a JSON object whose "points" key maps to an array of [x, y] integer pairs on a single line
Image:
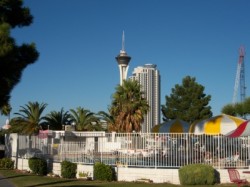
{"points": [[55, 120], [241, 109], [229, 109], [85, 120], [128, 106], [247, 106], [187, 102], [13, 58], [29, 119]]}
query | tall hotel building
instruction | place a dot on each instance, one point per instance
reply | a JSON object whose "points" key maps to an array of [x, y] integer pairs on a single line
{"points": [[149, 78]]}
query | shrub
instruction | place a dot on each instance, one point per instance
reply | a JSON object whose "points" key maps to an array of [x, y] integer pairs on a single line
{"points": [[68, 169], [38, 166], [6, 163], [103, 172], [198, 174], [83, 174], [2, 154]]}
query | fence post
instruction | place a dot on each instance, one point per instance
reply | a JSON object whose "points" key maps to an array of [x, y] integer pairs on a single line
{"points": [[17, 150]]}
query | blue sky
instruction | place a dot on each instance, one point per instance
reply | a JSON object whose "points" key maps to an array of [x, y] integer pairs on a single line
{"points": [[79, 40]]}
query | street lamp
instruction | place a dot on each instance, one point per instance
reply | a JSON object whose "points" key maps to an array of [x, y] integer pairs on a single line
{"points": [[74, 124]]}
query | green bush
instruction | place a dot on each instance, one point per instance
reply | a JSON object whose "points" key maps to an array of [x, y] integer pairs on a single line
{"points": [[198, 174], [38, 166], [6, 163], [68, 169], [103, 172], [2, 154]]}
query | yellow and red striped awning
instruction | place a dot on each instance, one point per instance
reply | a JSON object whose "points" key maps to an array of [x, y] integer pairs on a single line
{"points": [[221, 124]]}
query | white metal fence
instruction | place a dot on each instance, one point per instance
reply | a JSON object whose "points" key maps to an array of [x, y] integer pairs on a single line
{"points": [[133, 149]]}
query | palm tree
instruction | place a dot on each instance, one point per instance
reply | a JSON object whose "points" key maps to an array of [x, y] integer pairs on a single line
{"points": [[29, 119], [6, 109], [109, 119], [85, 120], [129, 106], [55, 120]]}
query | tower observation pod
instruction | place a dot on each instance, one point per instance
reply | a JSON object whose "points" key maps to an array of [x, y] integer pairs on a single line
{"points": [[123, 61]]}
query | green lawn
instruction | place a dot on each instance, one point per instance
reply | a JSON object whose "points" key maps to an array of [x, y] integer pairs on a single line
{"points": [[29, 180]]}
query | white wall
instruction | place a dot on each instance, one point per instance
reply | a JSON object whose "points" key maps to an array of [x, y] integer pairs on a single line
{"points": [[133, 174], [85, 169], [155, 175]]}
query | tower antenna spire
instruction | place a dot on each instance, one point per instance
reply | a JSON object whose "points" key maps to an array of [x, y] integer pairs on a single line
{"points": [[123, 42]]}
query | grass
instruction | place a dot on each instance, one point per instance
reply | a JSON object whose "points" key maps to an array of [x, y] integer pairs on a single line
{"points": [[29, 180]]}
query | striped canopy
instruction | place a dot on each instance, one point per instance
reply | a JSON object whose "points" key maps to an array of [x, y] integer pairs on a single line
{"points": [[173, 126], [221, 124], [242, 130], [43, 134]]}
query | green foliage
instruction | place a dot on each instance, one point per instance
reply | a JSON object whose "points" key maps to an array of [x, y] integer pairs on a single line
{"points": [[2, 154], [237, 109], [128, 107], [55, 119], [85, 120], [84, 174], [6, 163], [6, 109], [187, 102], [38, 166], [247, 106], [29, 119], [13, 58], [198, 174], [2, 136], [104, 172], [68, 169], [229, 109], [14, 13], [108, 118]]}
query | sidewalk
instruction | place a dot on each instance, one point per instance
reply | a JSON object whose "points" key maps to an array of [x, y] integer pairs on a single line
{"points": [[4, 182]]}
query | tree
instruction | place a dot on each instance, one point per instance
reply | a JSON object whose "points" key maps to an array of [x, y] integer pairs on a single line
{"points": [[109, 119], [13, 59], [128, 106], [241, 109], [187, 102], [247, 106], [55, 120], [85, 120], [229, 109], [29, 119], [6, 109]]}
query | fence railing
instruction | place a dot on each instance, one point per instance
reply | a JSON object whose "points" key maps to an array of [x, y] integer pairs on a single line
{"points": [[133, 149]]}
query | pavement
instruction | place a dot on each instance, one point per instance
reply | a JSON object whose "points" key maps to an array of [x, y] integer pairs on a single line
{"points": [[4, 182]]}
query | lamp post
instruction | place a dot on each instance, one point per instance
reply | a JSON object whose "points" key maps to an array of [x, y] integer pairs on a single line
{"points": [[74, 125]]}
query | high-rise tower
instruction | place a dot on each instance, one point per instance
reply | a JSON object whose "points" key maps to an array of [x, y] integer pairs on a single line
{"points": [[149, 78], [240, 77], [123, 61]]}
